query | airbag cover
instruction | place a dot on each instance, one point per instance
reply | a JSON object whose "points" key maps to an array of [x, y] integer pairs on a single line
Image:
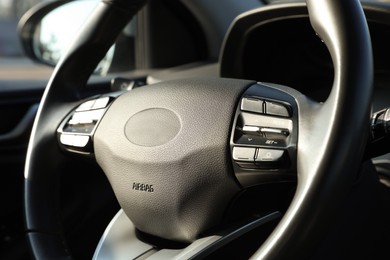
{"points": [[165, 151]]}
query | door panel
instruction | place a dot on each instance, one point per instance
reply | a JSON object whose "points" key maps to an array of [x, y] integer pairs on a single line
{"points": [[19, 101]]}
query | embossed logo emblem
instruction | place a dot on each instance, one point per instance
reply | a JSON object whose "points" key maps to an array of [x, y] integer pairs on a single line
{"points": [[143, 187], [152, 127]]}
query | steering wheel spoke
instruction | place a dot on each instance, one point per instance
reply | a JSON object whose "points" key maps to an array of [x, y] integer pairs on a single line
{"points": [[121, 238]]}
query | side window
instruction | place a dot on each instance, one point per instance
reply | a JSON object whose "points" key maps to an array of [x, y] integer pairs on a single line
{"points": [[10, 13]]}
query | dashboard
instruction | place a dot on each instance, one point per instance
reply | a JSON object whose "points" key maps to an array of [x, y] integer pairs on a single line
{"points": [[277, 44]]}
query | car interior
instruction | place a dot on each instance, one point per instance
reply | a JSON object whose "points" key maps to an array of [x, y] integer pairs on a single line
{"points": [[195, 129]]}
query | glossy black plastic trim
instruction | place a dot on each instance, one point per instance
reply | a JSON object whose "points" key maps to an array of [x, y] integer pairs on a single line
{"points": [[245, 24]]}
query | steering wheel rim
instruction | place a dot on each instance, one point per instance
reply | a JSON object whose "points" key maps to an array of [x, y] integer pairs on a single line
{"points": [[322, 177]]}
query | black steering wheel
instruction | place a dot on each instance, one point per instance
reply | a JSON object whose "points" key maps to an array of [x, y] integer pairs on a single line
{"points": [[174, 152]]}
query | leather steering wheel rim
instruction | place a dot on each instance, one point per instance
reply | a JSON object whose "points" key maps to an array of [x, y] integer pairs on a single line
{"points": [[323, 177]]}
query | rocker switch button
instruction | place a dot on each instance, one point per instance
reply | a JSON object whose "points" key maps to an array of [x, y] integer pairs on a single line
{"points": [[251, 129], [244, 157], [274, 131], [245, 154], [276, 109], [101, 103], [252, 105], [269, 155], [87, 105], [74, 140]]}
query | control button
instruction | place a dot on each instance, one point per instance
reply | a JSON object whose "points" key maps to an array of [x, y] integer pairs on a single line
{"points": [[252, 105], [86, 117], [251, 129], [245, 154], [276, 109], [101, 103], [80, 121], [269, 155], [86, 106], [274, 131], [74, 140], [251, 139]]}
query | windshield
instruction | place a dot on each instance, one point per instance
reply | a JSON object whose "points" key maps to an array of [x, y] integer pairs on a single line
{"points": [[12, 10]]}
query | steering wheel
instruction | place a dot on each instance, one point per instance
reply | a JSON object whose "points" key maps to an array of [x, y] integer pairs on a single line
{"points": [[177, 153]]}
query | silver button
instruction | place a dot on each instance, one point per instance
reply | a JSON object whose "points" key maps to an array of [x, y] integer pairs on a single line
{"points": [[246, 154], [269, 155], [252, 105], [74, 140]]}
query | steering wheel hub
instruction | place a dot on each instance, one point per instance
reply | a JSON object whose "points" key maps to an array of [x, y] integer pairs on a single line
{"points": [[178, 153]]}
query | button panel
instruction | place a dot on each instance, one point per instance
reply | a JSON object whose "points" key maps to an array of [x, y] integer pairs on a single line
{"points": [[76, 131], [264, 138]]}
